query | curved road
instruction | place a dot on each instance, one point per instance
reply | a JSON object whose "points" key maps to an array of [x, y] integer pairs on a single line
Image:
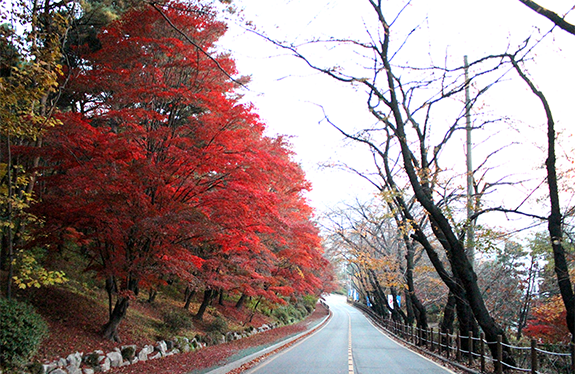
{"points": [[347, 344]]}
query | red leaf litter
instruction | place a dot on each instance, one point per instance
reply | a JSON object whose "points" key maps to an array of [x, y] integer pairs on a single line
{"points": [[219, 355], [255, 361]]}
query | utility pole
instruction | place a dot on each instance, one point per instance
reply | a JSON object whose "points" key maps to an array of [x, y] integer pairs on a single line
{"points": [[470, 188]]}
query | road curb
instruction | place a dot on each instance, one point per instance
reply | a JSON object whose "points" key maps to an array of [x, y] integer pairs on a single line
{"points": [[251, 360]]}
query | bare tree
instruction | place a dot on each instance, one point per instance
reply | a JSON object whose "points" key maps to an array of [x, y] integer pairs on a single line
{"points": [[394, 98], [371, 245], [555, 220]]}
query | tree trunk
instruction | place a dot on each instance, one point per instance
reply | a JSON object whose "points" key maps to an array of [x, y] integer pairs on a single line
{"points": [[241, 301], [189, 295], [110, 329], [110, 290], [414, 302], [465, 276], [255, 308], [446, 325], [4, 252], [9, 227], [555, 220], [409, 308], [221, 297], [466, 322], [208, 295], [400, 315], [448, 314], [152, 295], [378, 298], [526, 305]]}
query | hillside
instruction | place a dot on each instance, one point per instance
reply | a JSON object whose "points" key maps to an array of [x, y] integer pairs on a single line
{"points": [[76, 313]]}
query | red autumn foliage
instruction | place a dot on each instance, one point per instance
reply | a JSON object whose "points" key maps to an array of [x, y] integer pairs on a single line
{"points": [[547, 323], [74, 318], [158, 172], [222, 354]]}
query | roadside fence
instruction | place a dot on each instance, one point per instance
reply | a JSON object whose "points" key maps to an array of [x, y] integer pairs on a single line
{"points": [[471, 353]]}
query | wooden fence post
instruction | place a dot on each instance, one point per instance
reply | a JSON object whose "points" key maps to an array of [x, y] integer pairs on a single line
{"points": [[470, 347], [458, 347], [482, 351], [534, 358], [447, 343], [419, 335], [499, 355]]}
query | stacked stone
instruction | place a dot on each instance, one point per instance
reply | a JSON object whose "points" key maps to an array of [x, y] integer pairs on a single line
{"points": [[98, 361]]}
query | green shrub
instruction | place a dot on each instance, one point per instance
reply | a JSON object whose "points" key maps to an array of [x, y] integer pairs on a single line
{"points": [[35, 368], [289, 313], [282, 315], [21, 332], [177, 320], [340, 291], [128, 353], [92, 360], [309, 301], [219, 325], [214, 337]]}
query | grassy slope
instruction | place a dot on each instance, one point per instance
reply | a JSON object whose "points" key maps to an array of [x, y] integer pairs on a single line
{"points": [[76, 315], [207, 358]]}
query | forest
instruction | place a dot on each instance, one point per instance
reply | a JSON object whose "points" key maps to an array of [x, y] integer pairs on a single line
{"points": [[128, 151], [431, 248]]}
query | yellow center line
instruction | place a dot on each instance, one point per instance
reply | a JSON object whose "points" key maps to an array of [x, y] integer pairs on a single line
{"points": [[349, 353]]}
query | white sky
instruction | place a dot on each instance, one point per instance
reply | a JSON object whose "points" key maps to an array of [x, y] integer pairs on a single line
{"points": [[288, 95]]}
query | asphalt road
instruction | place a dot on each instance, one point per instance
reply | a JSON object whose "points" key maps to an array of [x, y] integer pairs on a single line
{"points": [[347, 344]]}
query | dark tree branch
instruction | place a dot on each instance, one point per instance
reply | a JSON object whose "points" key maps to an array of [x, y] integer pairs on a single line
{"points": [[198, 47], [504, 210], [550, 15], [555, 220]]}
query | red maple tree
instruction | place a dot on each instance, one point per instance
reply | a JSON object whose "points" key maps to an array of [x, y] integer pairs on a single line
{"points": [[158, 170], [547, 322]]}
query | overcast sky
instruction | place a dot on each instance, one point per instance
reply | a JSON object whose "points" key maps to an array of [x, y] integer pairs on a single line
{"points": [[292, 99]]}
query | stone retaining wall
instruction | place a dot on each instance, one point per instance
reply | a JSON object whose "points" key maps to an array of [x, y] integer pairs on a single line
{"points": [[99, 361]]}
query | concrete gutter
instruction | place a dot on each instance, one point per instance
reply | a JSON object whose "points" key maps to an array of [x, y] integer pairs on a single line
{"points": [[254, 358]]}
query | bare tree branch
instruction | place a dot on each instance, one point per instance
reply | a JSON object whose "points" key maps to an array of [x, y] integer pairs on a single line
{"points": [[504, 210], [550, 15], [205, 53]]}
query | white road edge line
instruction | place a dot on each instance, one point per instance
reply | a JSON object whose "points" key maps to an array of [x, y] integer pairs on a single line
{"points": [[236, 364], [400, 345], [349, 351], [268, 360]]}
